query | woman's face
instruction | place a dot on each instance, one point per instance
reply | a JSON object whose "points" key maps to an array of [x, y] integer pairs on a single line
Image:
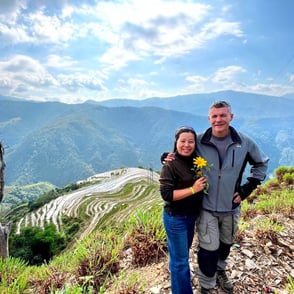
{"points": [[186, 144]]}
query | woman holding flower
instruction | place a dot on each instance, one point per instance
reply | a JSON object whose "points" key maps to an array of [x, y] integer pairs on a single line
{"points": [[182, 192]]}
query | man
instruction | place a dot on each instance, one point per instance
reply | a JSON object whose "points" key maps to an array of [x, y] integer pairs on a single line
{"points": [[228, 151]]}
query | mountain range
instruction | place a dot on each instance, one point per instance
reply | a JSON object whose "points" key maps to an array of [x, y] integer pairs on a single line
{"points": [[62, 143]]}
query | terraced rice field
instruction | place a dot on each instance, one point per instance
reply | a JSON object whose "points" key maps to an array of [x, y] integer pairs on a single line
{"points": [[116, 195]]}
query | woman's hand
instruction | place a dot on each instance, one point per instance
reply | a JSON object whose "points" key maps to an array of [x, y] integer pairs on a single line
{"points": [[199, 184]]}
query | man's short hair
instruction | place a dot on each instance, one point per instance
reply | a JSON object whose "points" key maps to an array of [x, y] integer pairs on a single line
{"points": [[220, 104]]}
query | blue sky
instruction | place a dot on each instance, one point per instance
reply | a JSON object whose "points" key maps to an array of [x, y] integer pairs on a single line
{"points": [[72, 51]]}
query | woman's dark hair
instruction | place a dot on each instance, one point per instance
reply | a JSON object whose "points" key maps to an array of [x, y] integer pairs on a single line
{"points": [[180, 130]]}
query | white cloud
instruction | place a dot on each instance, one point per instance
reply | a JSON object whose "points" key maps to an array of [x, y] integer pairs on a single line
{"points": [[13, 35], [50, 29], [271, 89], [227, 74], [76, 81], [25, 69], [117, 58], [221, 27], [139, 88], [196, 79], [57, 61], [197, 84], [10, 10], [74, 50], [23, 75]]}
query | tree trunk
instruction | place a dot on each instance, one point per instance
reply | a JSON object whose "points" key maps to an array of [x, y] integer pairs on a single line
{"points": [[4, 230], [2, 167], [4, 235]]}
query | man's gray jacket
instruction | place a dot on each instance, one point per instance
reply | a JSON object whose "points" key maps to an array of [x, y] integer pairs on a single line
{"points": [[226, 178]]}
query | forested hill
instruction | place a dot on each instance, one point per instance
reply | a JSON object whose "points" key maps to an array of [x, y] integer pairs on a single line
{"points": [[62, 143]]}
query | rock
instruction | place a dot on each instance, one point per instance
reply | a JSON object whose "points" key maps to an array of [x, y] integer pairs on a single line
{"points": [[155, 290], [247, 253]]}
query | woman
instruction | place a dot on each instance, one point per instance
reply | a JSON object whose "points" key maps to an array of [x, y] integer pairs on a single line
{"points": [[182, 196]]}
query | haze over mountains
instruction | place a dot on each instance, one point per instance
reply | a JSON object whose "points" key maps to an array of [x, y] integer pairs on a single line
{"points": [[62, 143], [243, 104]]}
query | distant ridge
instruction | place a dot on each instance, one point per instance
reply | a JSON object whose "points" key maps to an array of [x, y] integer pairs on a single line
{"points": [[10, 98], [243, 104], [62, 143]]}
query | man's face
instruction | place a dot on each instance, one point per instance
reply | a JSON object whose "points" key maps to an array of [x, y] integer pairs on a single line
{"points": [[220, 121]]}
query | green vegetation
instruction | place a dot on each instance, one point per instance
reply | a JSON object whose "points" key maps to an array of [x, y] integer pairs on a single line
{"points": [[13, 279], [146, 238], [268, 201], [274, 196], [129, 236], [92, 263], [17, 195], [35, 245], [36, 195], [290, 285]]}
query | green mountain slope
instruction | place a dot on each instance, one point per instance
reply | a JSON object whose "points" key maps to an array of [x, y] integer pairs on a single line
{"points": [[61, 144]]}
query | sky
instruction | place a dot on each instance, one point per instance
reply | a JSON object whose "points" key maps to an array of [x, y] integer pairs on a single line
{"points": [[73, 51]]}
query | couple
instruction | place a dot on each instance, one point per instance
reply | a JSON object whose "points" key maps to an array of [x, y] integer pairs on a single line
{"points": [[215, 213]]}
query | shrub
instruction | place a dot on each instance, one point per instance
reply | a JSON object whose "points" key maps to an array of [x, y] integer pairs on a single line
{"points": [[36, 245]]}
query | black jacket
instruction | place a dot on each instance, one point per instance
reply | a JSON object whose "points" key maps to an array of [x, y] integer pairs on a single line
{"points": [[175, 175]]}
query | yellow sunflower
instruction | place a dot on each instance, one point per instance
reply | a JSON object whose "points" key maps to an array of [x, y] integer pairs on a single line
{"points": [[200, 167], [200, 162]]}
